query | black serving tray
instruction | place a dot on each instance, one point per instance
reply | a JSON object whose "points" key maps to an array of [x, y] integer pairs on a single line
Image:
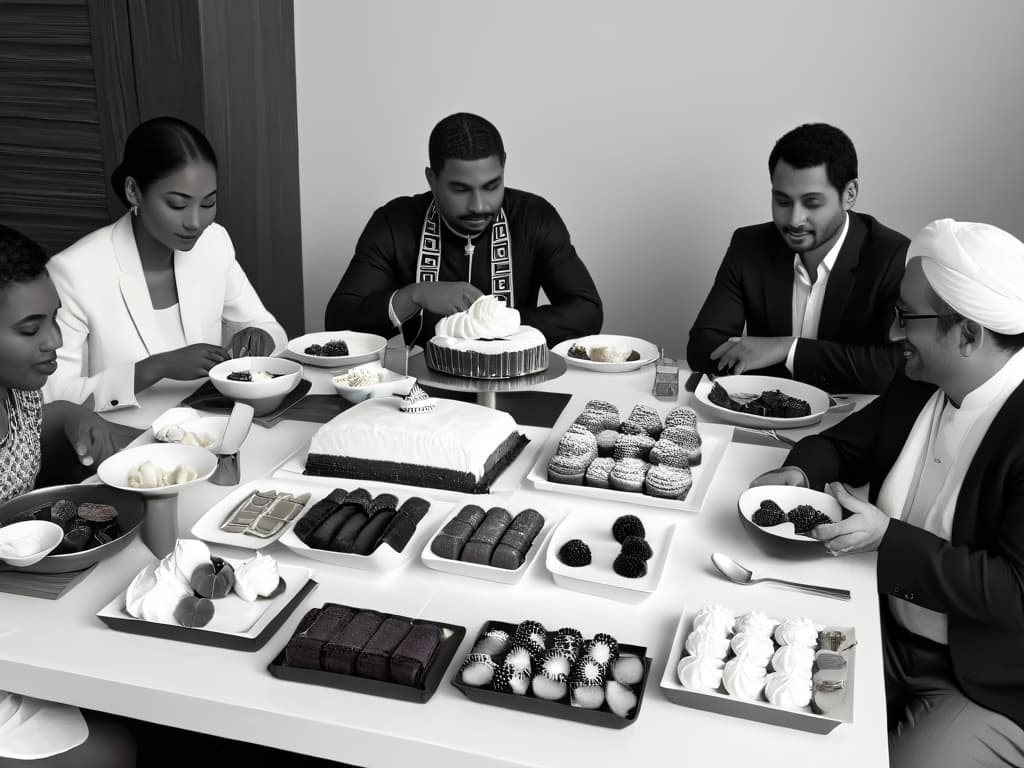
{"points": [[561, 709], [452, 635]]}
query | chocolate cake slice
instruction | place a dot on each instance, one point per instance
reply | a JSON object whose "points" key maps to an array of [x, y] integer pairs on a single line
{"points": [[412, 658], [341, 652], [375, 659], [306, 647]]}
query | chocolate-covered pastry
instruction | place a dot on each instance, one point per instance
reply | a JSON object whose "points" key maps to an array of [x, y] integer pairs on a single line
{"points": [[322, 537], [319, 512], [382, 502], [529, 522], [415, 508], [76, 539], [472, 515], [96, 513], [62, 512], [485, 538], [345, 538], [306, 647], [399, 531], [341, 652], [359, 498], [368, 538], [374, 660], [413, 656], [511, 550], [447, 546]]}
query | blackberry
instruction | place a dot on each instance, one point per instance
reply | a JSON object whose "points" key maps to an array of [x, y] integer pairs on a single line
{"points": [[629, 566], [637, 547], [575, 553], [628, 525], [805, 517], [770, 506], [768, 517]]}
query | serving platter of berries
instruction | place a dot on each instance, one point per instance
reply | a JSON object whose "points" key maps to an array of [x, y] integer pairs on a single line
{"points": [[762, 402], [610, 554], [788, 511], [555, 672]]}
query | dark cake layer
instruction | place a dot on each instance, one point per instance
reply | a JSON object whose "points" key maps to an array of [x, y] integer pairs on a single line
{"points": [[418, 475], [482, 365]]}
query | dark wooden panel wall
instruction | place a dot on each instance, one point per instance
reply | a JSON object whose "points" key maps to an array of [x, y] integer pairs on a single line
{"points": [[52, 176]]}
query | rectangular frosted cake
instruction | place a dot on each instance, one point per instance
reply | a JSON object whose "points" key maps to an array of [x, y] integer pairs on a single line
{"points": [[455, 446]]}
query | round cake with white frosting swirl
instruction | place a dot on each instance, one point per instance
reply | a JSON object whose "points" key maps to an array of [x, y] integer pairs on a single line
{"points": [[486, 341]]}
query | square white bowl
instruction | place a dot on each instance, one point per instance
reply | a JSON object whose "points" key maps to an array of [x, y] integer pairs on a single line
{"points": [[594, 527], [552, 515]]}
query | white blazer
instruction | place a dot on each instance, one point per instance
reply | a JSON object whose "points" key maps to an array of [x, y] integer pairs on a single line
{"points": [[107, 315]]}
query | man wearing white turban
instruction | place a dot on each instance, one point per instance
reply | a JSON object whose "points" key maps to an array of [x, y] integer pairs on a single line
{"points": [[942, 452]]}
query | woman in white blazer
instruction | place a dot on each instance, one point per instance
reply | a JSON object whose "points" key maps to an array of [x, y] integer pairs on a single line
{"points": [[157, 294]]}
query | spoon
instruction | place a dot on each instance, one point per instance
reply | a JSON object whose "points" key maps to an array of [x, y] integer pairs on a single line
{"points": [[736, 572]]}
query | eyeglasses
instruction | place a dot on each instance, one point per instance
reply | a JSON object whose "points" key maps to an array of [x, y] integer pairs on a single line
{"points": [[902, 317]]}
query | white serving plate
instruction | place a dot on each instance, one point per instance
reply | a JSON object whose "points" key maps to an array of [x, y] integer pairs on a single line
{"points": [[761, 711], [208, 527], [384, 558], [191, 420], [362, 347], [648, 352], [715, 437], [233, 615], [507, 482], [552, 516], [594, 527], [114, 470], [787, 497], [816, 398]]}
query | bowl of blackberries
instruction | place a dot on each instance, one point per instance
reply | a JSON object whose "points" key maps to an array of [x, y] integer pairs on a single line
{"points": [[788, 511], [262, 382]]}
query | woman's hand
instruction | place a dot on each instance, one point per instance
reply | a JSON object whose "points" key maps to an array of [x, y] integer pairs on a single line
{"points": [[251, 342], [92, 437], [184, 364]]}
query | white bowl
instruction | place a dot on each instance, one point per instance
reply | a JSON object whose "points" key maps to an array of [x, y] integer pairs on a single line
{"points": [[47, 535], [362, 348], [191, 420], [114, 471], [264, 395], [391, 383], [788, 497], [742, 385]]}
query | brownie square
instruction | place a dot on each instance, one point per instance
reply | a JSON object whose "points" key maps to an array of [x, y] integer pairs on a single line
{"points": [[413, 656], [340, 653], [375, 659], [306, 647]]}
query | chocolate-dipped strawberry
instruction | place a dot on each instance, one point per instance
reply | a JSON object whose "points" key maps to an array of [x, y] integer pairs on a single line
{"points": [[213, 579], [194, 612]]}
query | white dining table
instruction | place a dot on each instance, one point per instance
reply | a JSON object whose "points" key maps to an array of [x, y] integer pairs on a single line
{"points": [[59, 650]]}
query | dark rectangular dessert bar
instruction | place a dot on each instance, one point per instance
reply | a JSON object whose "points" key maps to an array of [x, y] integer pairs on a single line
{"points": [[375, 659], [324, 533], [481, 544], [415, 508], [413, 656], [369, 535], [346, 535], [399, 530], [340, 653], [382, 502], [529, 522], [306, 648]]}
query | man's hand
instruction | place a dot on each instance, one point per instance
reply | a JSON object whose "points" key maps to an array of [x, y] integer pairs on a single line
{"points": [[862, 531], [445, 298], [781, 476], [252, 342], [93, 437], [751, 353]]}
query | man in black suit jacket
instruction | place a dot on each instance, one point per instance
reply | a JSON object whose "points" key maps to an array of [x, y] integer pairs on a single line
{"points": [[815, 287], [943, 456]]}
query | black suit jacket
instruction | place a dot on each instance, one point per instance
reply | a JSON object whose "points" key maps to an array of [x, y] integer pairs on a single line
{"points": [[543, 257], [977, 577], [754, 287]]}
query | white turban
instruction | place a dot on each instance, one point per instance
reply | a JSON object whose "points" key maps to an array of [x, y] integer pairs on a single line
{"points": [[977, 269]]}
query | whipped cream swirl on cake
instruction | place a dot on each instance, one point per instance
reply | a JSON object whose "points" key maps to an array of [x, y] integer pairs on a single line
{"points": [[487, 318]]}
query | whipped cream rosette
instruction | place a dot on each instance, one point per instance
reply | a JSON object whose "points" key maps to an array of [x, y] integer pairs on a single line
{"points": [[792, 691], [256, 577], [487, 318], [700, 673]]}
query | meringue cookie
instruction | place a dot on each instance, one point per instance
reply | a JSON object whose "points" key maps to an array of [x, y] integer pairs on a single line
{"points": [[758, 647], [256, 577], [793, 659], [154, 594], [700, 673], [489, 317], [707, 642], [792, 691], [756, 623], [797, 632], [718, 617], [188, 553], [744, 678]]}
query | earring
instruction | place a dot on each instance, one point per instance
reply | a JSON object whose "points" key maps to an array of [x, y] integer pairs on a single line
{"points": [[135, 209]]}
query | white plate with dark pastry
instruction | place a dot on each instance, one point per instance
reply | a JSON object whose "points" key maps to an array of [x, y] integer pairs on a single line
{"points": [[607, 352], [610, 554], [787, 511], [335, 349], [256, 514], [829, 664], [224, 602], [370, 527], [445, 552], [714, 439], [767, 402]]}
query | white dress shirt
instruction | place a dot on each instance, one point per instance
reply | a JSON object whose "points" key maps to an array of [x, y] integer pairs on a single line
{"points": [[809, 297]]}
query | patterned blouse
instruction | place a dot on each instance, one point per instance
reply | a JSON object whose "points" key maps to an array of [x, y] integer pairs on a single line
{"points": [[19, 450]]}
